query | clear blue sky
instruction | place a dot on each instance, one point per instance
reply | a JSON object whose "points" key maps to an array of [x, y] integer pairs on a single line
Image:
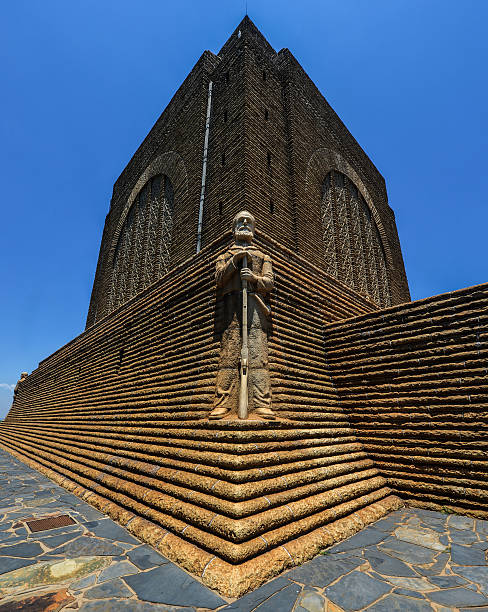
{"points": [[83, 82]]}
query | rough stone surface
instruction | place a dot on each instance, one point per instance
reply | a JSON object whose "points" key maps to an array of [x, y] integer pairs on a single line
{"points": [[116, 570], [321, 571], [170, 585], [310, 601], [253, 600], [88, 546], [112, 588], [21, 550], [458, 597], [9, 564], [145, 557], [467, 555], [397, 603], [406, 551], [385, 564], [356, 591], [39, 602]]}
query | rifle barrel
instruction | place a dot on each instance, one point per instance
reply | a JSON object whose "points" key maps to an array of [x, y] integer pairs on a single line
{"points": [[243, 395]]}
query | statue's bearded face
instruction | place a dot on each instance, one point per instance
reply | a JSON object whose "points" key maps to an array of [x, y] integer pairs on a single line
{"points": [[244, 227]]}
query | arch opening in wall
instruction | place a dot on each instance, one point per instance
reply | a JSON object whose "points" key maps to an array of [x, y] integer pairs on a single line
{"points": [[142, 252], [353, 248]]}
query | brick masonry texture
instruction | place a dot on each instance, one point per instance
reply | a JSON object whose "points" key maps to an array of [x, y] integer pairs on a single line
{"points": [[413, 381]]}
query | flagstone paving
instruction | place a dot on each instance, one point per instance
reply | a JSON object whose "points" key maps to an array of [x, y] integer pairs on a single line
{"points": [[411, 561]]}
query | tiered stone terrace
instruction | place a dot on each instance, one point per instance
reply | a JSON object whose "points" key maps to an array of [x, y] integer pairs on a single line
{"points": [[412, 561], [119, 417]]}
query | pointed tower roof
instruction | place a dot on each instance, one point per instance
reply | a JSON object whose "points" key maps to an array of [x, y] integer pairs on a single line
{"points": [[247, 31]]}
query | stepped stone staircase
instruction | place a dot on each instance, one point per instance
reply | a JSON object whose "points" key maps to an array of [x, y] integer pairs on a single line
{"points": [[118, 416]]}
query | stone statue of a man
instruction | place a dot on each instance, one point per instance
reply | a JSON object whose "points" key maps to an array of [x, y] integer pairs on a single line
{"points": [[229, 275], [23, 376]]}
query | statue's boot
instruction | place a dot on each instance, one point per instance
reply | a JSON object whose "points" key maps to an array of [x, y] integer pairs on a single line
{"points": [[218, 413], [265, 413]]}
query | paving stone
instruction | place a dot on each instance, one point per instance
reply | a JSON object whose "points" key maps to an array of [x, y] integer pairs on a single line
{"points": [[429, 514], [398, 603], [476, 574], [57, 540], [111, 531], [466, 555], [435, 568], [411, 553], [385, 564], [112, 588], [170, 585], [366, 537], [38, 602], [145, 557], [8, 510], [83, 583], [25, 549], [462, 536], [21, 532], [38, 501], [408, 593], [283, 600], [433, 526], [116, 570], [481, 526], [52, 572], [320, 572], [86, 545], [9, 564], [355, 554], [13, 539], [422, 537], [127, 605], [356, 591], [5, 537], [310, 601], [417, 584], [447, 582], [252, 600], [460, 522], [387, 524], [457, 597], [90, 514]]}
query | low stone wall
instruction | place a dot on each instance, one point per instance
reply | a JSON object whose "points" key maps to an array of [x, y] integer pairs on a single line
{"points": [[413, 380]]}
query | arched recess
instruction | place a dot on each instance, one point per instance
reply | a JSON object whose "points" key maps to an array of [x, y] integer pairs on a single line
{"points": [[323, 166], [146, 222]]}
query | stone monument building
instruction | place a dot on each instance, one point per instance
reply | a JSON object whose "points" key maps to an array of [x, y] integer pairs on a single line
{"points": [[372, 400]]}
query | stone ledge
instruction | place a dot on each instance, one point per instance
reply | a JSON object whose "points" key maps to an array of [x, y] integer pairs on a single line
{"points": [[229, 580]]}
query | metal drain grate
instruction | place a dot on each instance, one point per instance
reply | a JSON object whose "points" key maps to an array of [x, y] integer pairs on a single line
{"points": [[50, 522]]}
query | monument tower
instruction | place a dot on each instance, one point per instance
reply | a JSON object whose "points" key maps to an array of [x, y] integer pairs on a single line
{"points": [[249, 128], [253, 383]]}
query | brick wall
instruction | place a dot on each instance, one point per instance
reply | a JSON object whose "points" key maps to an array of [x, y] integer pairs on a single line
{"points": [[273, 139], [413, 380]]}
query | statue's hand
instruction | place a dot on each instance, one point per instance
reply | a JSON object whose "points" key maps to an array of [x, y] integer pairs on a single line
{"points": [[238, 257], [248, 275]]}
